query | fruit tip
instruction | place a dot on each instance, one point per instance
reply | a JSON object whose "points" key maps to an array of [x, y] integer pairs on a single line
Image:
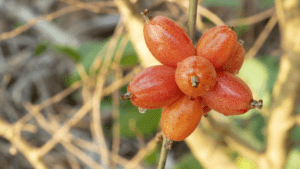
{"points": [[146, 16], [195, 81], [126, 96], [231, 27], [256, 104]]}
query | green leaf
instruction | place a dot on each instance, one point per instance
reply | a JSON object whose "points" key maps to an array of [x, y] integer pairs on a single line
{"points": [[255, 73], [129, 56], [293, 159], [265, 4], [90, 50], [248, 135], [69, 51], [295, 134], [272, 64], [244, 163], [147, 122], [39, 49], [256, 125], [152, 158], [239, 30], [232, 4], [188, 161]]}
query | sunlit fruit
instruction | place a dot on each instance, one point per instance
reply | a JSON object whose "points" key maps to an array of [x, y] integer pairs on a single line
{"points": [[181, 118], [195, 76], [167, 41], [217, 45], [153, 88]]}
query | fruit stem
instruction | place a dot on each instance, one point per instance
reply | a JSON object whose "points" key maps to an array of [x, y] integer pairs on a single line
{"points": [[127, 96], [146, 16], [231, 27], [192, 19], [166, 146], [256, 104], [241, 42], [195, 81]]}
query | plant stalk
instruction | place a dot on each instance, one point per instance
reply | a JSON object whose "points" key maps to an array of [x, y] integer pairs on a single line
{"points": [[166, 145], [192, 19]]}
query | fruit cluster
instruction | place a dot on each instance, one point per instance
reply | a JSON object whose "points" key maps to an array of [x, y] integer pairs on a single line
{"points": [[192, 80]]}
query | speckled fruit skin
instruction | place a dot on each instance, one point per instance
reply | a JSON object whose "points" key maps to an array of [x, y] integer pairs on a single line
{"points": [[230, 96], [235, 63], [154, 87], [195, 66], [167, 41], [181, 118], [217, 45]]}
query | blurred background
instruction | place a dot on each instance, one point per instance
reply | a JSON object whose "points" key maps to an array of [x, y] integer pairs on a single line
{"points": [[65, 63]]}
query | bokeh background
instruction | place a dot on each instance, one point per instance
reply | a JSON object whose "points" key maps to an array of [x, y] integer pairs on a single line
{"points": [[65, 63]]}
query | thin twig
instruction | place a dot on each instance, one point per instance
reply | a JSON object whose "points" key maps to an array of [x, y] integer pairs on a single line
{"points": [[252, 19], [192, 19], [262, 37], [49, 17], [163, 154], [142, 153]]}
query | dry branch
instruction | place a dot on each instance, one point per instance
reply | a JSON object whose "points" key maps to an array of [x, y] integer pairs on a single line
{"points": [[286, 88]]}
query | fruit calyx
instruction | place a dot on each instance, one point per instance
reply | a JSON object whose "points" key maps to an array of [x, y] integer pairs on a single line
{"points": [[127, 96], [146, 16], [195, 81], [231, 27], [256, 104]]}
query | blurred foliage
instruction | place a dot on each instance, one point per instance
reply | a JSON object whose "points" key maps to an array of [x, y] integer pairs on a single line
{"points": [[69, 51], [40, 49], [243, 163], [147, 123], [265, 4], [260, 74], [188, 161], [239, 30], [236, 4], [293, 159], [153, 157], [232, 4]]}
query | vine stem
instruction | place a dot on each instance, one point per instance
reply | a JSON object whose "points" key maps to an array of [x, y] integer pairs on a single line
{"points": [[166, 145], [192, 19]]}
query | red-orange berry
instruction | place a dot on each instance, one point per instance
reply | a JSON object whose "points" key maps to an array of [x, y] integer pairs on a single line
{"points": [[195, 76], [217, 45], [236, 61], [181, 118], [230, 96], [153, 88], [167, 41]]}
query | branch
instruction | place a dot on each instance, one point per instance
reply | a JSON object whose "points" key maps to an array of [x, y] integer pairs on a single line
{"points": [[11, 133], [134, 25], [234, 141], [286, 88]]}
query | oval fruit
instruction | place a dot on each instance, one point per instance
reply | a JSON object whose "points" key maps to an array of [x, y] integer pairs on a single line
{"points": [[167, 41], [195, 76], [236, 61], [230, 96], [181, 118], [217, 45], [153, 88]]}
